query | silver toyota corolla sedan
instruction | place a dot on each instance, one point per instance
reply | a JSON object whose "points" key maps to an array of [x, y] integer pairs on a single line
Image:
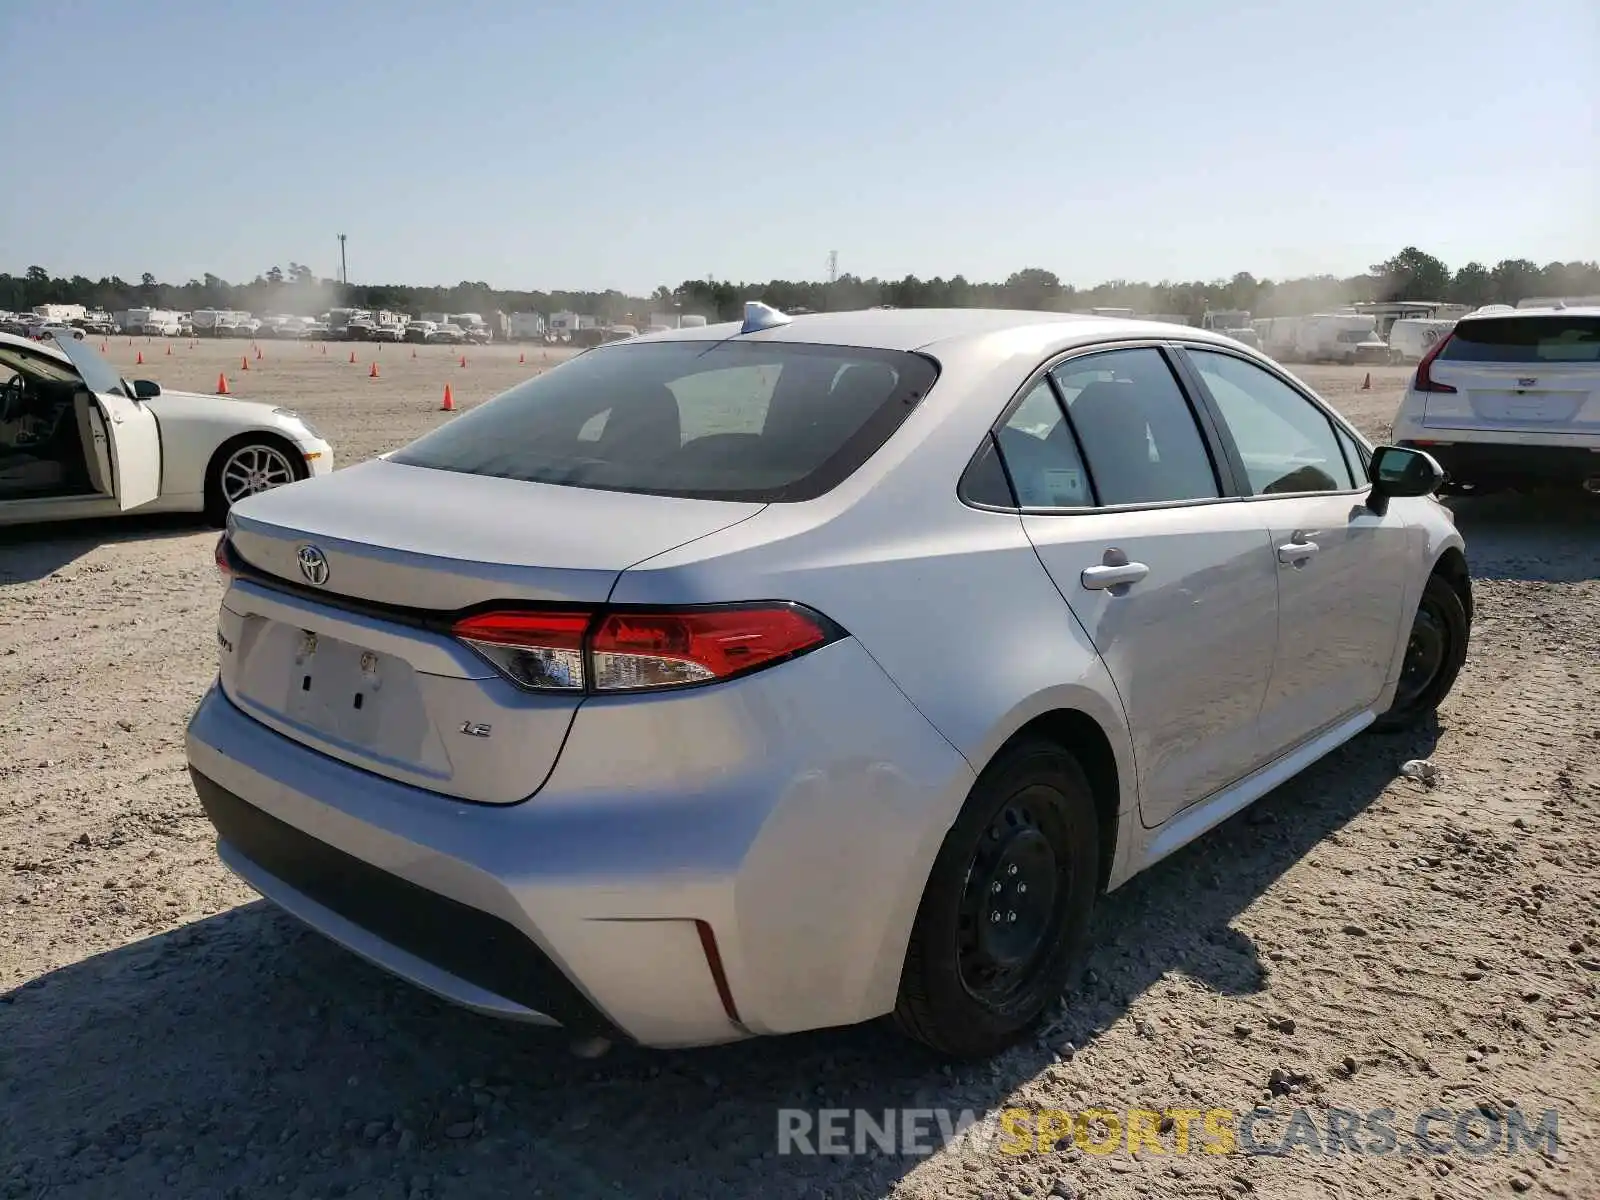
{"points": [[763, 677]]}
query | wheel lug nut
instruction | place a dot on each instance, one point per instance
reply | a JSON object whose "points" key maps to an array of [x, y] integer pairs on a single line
{"points": [[1012, 869], [995, 887], [1011, 917], [994, 918], [1021, 888]]}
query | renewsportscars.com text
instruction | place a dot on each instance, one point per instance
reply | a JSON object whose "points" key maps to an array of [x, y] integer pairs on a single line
{"points": [[911, 1132]]}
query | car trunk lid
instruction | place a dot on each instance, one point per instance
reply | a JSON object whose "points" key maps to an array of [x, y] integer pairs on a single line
{"points": [[336, 631]]}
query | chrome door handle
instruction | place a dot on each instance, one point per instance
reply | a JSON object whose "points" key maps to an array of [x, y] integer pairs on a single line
{"points": [[1297, 549], [1111, 576]]}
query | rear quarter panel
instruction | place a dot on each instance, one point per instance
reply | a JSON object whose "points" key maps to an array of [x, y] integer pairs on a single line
{"points": [[951, 601]]}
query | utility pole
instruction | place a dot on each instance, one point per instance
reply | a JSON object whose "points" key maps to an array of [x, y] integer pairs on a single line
{"points": [[344, 272]]}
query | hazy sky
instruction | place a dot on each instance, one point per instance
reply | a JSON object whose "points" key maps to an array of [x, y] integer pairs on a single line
{"points": [[583, 144]]}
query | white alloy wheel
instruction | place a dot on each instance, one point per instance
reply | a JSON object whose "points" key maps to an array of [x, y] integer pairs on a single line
{"points": [[254, 468]]}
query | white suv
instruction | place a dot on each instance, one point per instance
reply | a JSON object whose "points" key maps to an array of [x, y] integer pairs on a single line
{"points": [[1510, 398]]}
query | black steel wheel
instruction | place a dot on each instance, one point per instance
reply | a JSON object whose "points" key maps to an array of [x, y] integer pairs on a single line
{"points": [[1005, 913], [1011, 912], [1436, 649]]}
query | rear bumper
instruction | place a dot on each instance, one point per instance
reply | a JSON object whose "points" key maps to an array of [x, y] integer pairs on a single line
{"points": [[607, 902], [450, 947], [1501, 464]]}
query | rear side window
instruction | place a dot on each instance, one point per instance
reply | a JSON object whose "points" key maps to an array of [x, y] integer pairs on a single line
{"points": [[1041, 456], [750, 421], [1556, 338], [1137, 431]]}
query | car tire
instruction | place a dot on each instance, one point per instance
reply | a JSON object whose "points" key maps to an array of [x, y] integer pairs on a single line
{"points": [[1436, 650], [217, 499], [970, 987]]}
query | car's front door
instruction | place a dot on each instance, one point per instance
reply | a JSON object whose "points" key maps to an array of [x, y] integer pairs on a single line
{"points": [[1341, 567], [1173, 583], [122, 439]]}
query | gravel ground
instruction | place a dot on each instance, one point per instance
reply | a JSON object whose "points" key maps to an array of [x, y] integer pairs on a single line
{"points": [[1358, 939]]}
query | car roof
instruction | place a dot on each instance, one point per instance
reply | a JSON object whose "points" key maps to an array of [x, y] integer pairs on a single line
{"points": [[11, 339], [1574, 310], [928, 328]]}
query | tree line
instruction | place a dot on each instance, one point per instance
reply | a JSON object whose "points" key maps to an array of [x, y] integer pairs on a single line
{"points": [[1411, 274]]}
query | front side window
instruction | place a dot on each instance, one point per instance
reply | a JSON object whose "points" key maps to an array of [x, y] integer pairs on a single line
{"points": [[750, 421], [1359, 459], [1287, 443], [1138, 433]]}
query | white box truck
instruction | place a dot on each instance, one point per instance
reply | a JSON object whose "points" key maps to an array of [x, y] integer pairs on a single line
{"points": [[525, 326], [1345, 338], [1412, 337]]}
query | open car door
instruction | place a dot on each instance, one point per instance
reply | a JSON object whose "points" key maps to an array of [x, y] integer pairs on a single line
{"points": [[124, 440]]}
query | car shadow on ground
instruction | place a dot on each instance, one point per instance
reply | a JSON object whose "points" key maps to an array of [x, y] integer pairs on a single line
{"points": [[29, 553], [1543, 537], [245, 1052]]}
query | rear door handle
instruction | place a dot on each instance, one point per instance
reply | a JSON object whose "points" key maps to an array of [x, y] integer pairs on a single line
{"points": [[1119, 575], [1297, 549]]}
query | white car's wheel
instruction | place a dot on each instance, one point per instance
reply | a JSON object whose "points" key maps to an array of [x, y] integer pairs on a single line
{"points": [[245, 467]]}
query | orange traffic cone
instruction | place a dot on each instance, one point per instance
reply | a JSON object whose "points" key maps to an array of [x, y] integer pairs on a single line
{"points": [[522, 358], [222, 385], [463, 360], [1366, 384], [373, 374], [449, 404], [352, 356], [138, 359], [244, 363], [413, 352], [258, 353], [169, 349], [102, 347]]}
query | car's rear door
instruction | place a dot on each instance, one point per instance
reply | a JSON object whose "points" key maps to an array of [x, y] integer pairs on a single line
{"points": [[1526, 373], [123, 439], [1172, 581], [1341, 568]]}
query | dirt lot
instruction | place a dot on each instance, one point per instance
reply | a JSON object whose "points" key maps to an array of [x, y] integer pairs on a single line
{"points": [[1357, 940]]}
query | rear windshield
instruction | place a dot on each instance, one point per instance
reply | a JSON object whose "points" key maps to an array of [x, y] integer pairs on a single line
{"points": [[1551, 339], [751, 421]]}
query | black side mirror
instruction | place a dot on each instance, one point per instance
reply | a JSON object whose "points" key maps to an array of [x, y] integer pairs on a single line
{"points": [[1402, 471], [146, 389]]}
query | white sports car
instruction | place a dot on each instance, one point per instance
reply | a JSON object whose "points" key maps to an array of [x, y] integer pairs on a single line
{"points": [[78, 440]]}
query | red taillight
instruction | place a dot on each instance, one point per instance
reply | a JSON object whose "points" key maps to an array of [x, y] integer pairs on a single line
{"points": [[224, 567], [648, 650], [1425, 381], [542, 650], [633, 650]]}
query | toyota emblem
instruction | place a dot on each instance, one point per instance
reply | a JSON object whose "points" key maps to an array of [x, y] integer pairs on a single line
{"points": [[313, 565]]}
